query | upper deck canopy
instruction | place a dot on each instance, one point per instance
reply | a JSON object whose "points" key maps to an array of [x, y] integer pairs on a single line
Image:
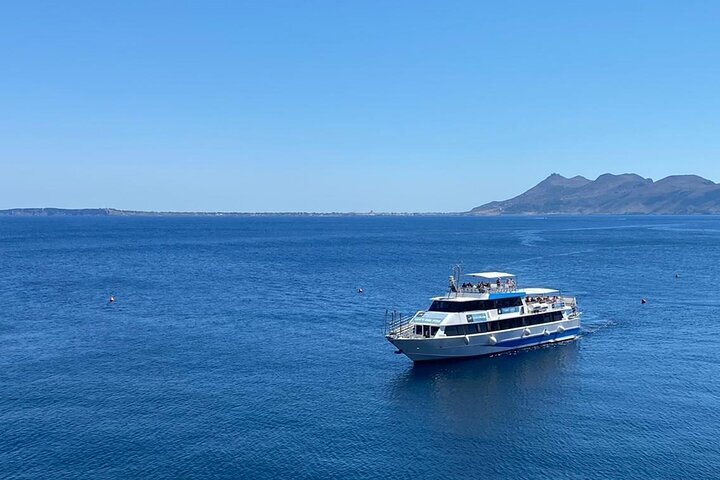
{"points": [[540, 291], [491, 275], [463, 298]]}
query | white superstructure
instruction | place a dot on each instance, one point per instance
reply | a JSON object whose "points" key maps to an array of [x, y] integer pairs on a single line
{"points": [[484, 316]]}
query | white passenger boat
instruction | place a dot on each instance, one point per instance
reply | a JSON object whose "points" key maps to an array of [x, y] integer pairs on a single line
{"points": [[487, 315]]}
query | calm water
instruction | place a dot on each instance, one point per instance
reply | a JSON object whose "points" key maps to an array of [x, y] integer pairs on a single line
{"points": [[239, 348]]}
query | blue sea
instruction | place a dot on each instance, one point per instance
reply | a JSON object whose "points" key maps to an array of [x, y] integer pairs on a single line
{"points": [[241, 348]]}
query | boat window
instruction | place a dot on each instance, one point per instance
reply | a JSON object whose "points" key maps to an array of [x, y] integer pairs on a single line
{"points": [[473, 305], [507, 302], [450, 331], [433, 331], [418, 329], [456, 330], [525, 321], [445, 306], [504, 324]]}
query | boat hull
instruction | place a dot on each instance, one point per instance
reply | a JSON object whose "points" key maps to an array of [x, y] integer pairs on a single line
{"points": [[444, 348]]}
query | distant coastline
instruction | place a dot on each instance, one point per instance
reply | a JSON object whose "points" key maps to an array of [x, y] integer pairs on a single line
{"points": [[626, 194], [113, 212]]}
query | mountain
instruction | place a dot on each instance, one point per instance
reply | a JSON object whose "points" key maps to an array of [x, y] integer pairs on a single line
{"points": [[612, 194]]}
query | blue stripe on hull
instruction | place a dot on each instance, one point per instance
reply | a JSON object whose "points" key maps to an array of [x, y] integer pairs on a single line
{"points": [[535, 339]]}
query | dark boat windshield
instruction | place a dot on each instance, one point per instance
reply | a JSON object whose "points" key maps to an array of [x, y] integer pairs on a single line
{"points": [[470, 306]]}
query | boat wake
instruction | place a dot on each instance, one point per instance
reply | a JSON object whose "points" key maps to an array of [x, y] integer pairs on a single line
{"points": [[544, 346], [591, 328], [529, 238]]}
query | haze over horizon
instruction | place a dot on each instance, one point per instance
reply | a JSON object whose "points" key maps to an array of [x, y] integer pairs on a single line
{"points": [[278, 106]]}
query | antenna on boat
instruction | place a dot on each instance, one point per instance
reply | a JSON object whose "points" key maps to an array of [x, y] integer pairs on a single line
{"points": [[457, 272], [455, 278]]}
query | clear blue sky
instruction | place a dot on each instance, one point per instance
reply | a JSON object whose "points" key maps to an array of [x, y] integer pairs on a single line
{"points": [[348, 105]]}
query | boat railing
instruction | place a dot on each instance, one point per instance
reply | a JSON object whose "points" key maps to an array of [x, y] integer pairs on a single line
{"points": [[493, 288], [572, 303], [397, 324], [569, 301]]}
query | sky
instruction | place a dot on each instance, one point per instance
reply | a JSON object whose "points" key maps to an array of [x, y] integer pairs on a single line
{"points": [[406, 106]]}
